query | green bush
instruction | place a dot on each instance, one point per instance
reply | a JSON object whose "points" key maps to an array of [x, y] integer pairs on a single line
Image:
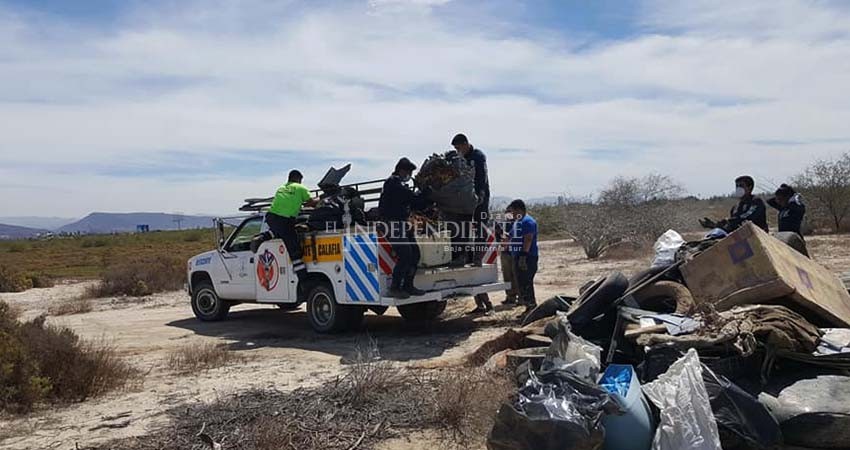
{"points": [[13, 281], [94, 243], [43, 363], [141, 277], [40, 280], [194, 236], [17, 247]]}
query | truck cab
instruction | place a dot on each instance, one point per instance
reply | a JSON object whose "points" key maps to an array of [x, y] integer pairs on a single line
{"points": [[349, 271]]}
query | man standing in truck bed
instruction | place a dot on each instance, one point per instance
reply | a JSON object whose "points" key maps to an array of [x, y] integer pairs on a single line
{"points": [[480, 216], [281, 218]]}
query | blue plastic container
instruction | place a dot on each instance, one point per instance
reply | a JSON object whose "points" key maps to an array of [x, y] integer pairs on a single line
{"points": [[634, 429]]}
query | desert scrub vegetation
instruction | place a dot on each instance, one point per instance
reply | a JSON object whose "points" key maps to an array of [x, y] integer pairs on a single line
{"points": [[77, 305], [86, 257], [41, 363], [140, 277], [372, 401], [192, 358], [12, 280]]}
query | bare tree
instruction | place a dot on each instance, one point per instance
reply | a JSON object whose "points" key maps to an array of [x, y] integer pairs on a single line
{"points": [[636, 191], [826, 184]]}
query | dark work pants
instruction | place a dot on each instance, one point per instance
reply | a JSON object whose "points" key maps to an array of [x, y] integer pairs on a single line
{"points": [[460, 227], [284, 228], [525, 280], [405, 248]]}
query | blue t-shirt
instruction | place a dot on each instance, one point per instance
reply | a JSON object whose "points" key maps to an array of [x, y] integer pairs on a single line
{"points": [[522, 227]]}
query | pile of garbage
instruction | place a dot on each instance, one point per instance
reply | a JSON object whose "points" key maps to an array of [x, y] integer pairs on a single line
{"points": [[730, 342], [450, 179]]}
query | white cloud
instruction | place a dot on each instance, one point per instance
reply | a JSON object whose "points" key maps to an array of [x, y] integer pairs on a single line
{"points": [[348, 83]]}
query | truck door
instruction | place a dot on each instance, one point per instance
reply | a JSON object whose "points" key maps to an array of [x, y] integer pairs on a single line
{"points": [[275, 282], [240, 261]]}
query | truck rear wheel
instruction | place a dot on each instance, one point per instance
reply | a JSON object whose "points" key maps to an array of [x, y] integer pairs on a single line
{"points": [[206, 304], [422, 312], [328, 316]]}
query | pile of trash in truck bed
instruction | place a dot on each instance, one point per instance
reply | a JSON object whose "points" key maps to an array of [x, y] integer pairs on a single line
{"points": [[732, 342]]}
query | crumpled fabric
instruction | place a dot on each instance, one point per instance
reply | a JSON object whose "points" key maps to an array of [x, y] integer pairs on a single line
{"points": [[687, 422], [744, 328]]}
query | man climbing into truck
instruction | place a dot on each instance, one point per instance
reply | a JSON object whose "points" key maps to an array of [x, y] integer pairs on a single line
{"points": [[281, 218]]}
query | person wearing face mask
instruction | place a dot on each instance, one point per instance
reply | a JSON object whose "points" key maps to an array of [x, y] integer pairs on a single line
{"points": [[791, 209], [749, 208], [395, 204]]}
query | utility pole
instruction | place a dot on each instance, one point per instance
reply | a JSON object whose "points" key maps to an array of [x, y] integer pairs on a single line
{"points": [[178, 219]]}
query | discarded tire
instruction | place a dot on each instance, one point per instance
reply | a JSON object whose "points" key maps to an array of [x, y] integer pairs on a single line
{"points": [[657, 296], [597, 299], [548, 308]]}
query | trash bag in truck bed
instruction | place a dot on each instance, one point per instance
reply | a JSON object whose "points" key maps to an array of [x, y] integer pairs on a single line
{"points": [[451, 180]]}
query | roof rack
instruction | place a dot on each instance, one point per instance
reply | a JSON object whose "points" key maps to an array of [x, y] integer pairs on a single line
{"points": [[370, 191]]}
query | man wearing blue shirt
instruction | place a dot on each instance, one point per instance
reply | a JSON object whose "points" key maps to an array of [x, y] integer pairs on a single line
{"points": [[524, 252]]}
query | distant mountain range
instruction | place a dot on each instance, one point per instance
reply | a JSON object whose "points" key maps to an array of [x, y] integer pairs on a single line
{"points": [[99, 222], [16, 232], [44, 223]]}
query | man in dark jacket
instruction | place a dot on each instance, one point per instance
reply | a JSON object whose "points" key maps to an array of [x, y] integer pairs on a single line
{"points": [[480, 216], [395, 204], [749, 208], [791, 209]]}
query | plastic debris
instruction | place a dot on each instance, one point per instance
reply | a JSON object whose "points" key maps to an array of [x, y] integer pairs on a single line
{"points": [[687, 422], [666, 247], [634, 428]]}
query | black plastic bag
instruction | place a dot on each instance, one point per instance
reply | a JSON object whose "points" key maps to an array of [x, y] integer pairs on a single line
{"points": [[739, 413], [555, 410]]}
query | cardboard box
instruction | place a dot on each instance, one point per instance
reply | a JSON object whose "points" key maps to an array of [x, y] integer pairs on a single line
{"points": [[750, 267]]}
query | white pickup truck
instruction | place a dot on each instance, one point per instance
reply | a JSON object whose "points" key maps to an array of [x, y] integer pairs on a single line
{"points": [[349, 272]]}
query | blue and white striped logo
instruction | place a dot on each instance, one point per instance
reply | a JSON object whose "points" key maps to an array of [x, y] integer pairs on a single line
{"points": [[361, 266]]}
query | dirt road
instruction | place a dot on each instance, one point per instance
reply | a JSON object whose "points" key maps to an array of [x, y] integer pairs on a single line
{"points": [[280, 349]]}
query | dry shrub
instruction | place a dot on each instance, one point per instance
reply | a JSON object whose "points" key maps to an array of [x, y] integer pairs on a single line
{"points": [[46, 363], [140, 278], [466, 403], [79, 305], [12, 280], [41, 280], [197, 357]]}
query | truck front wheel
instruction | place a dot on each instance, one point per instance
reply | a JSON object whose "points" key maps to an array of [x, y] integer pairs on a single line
{"points": [[328, 316], [422, 312], [206, 304]]}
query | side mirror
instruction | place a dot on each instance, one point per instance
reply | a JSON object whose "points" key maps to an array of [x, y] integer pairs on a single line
{"points": [[220, 234]]}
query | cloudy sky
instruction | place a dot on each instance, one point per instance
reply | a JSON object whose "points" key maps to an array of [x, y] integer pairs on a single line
{"points": [[191, 106]]}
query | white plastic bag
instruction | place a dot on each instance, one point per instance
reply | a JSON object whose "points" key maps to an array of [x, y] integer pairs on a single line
{"points": [[572, 353], [687, 422], [666, 247]]}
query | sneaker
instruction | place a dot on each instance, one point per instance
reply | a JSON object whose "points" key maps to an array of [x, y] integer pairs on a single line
{"points": [[510, 301], [414, 292], [397, 293]]}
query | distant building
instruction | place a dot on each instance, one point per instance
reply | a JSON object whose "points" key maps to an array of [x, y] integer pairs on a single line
{"points": [[143, 228]]}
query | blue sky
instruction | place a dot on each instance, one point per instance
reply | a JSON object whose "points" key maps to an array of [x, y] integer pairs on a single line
{"points": [[194, 105]]}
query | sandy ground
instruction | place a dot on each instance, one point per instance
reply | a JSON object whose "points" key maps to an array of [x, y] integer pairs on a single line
{"points": [[280, 349]]}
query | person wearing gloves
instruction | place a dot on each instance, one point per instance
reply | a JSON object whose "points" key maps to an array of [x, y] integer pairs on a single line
{"points": [[396, 202], [525, 253], [791, 209], [749, 209]]}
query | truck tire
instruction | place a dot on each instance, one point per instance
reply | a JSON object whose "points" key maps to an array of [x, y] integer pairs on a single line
{"points": [[328, 316], [422, 312], [207, 305]]}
